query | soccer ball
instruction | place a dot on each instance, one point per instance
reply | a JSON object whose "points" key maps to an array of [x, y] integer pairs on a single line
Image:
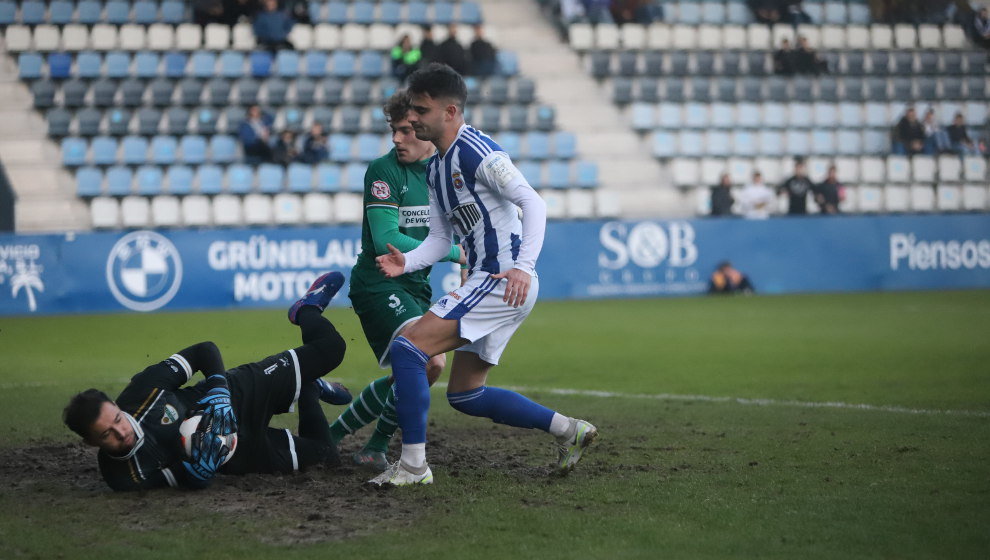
{"points": [[188, 428]]}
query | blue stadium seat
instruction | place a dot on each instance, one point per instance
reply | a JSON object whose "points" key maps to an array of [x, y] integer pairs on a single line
{"points": [[203, 64], [390, 13], [150, 180], [315, 64], [370, 64], [193, 148], [179, 179], [73, 151], [536, 146], [118, 64], [511, 143], [173, 11], [859, 14], [89, 12], [470, 13], [210, 177], [119, 179], [558, 174], [29, 65], [145, 12], [89, 182], [337, 13], [88, 65], [300, 177], [822, 142], [744, 143], [363, 13], [664, 144], [340, 147], [644, 117], [175, 65], [146, 64], [261, 64], [8, 12], [533, 172], [270, 178], [118, 12], [59, 65], [353, 177], [587, 174], [32, 12], [713, 13], [835, 13], [718, 143], [223, 149], [689, 13], [240, 178], [443, 12], [771, 142], [118, 121], [369, 146], [287, 64], [231, 64], [416, 13], [508, 63], [60, 12], [135, 150], [163, 150], [328, 177]]}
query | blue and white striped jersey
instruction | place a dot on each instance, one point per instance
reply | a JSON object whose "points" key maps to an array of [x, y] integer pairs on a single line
{"points": [[477, 191]]}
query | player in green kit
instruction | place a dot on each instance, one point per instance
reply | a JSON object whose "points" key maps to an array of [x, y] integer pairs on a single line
{"points": [[396, 212]]}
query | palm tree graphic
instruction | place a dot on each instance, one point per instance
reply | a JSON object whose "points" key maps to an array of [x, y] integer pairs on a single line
{"points": [[27, 276]]}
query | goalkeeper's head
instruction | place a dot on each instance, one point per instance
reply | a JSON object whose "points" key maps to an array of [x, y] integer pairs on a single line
{"points": [[100, 422]]}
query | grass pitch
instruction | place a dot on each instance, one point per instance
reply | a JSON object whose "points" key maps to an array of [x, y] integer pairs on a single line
{"points": [[730, 429]]}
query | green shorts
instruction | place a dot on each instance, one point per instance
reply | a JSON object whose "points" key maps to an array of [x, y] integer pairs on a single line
{"points": [[384, 314]]}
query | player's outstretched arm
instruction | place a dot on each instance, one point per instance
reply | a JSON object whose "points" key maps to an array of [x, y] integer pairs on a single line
{"points": [[204, 357], [393, 263]]}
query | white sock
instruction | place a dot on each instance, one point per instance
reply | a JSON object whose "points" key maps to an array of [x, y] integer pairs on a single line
{"points": [[414, 455], [560, 425]]}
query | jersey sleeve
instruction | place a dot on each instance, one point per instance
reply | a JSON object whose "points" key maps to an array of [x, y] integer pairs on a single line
{"points": [[437, 242], [380, 186], [127, 476], [384, 226]]}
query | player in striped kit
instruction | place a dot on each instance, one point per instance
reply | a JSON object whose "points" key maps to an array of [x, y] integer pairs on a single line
{"points": [[476, 194]]}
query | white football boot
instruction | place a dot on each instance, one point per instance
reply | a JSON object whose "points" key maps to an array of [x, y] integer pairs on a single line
{"points": [[398, 474], [580, 435]]}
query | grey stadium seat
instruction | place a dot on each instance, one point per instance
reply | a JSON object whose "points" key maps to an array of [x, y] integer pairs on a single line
{"points": [[190, 91], [679, 63], [132, 92], [276, 92], [59, 120], [732, 63], [653, 63], [601, 63], [104, 93], [233, 117], [497, 90], [701, 90], [178, 121], [88, 121], [828, 89], [161, 92], [207, 119], [525, 91], [118, 121], [148, 121], [74, 93], [324, 116], [853, 89], [333, 91], [360, 91], [628, 62], [247, 91], [43, 92], [350, 119], [622, 91], [218, 90], [305, 92], [648, 90], [976, 88], [704, 62]]}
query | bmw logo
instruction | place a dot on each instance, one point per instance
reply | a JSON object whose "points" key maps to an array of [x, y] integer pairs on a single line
{"points": [[144, 271]]}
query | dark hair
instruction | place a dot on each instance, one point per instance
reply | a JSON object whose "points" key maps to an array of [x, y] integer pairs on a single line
{"points": [[83, 409], [396, 108], [439, 81]]}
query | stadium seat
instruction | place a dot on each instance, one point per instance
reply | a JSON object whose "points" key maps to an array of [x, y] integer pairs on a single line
{"points": [[8, 13], [196, 211], [104, 212], [118, 122], [948, 198], [177, 119], [975, 169], [134, 150], [896, 198], [161, 37], [287, 209], [74, 151], [257, 209], [89, 182], [240, 179], [119, 179], [188, 37], [103, 37], [175, 64], [163, 150], [148, 121], [150, 180], [30, 65], [166, 211], [227, 210], [74, 93], [352, 177], [974, 197], [179, 179], [43, 94], [209, 178], [271, 178], [317, 208]]}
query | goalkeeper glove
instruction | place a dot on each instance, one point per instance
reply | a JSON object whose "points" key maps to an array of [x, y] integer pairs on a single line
{"points": [[208, 451], [217, 410]]}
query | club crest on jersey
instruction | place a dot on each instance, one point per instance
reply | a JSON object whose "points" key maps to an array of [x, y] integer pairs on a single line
{"points": [[380, 190], [171, 415], [458, 182]]}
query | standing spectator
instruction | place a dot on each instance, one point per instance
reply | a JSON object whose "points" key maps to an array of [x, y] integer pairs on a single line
{"points": [[272, 26], [722, 199], [571, 11], [255, 133], [483, 55], [452, 53], [797, 188], [428, 47], [806, 60], [208, 11], [959, 140], [405, 58], [285, 151], [315, 147], [598, 11], [793, 13], [829, 193], [979, 28], [298, 10], [643, 12], [909, 134], [756, 200], [936, 138], [783, 59], [233, 10]]}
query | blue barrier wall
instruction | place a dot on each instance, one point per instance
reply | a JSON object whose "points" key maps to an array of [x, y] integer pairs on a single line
{"points": [[178, 270]]}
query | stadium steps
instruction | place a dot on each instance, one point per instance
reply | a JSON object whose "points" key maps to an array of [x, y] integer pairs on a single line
{"points": [[46, 199], [627, 168]]}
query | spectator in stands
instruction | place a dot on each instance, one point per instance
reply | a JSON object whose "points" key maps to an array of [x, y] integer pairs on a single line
{"points": [[298, 10], [806, 60], [756, 200], [797, 188], [272, 26], [722, 199], [936, 138], [315, 148], [285, 150], [636, 11], [208, 11], [597, 11], [428, 47], [234, 10], [778, 11], [484, 60], [255, 134], [793, 13], [959, 140], [979, 28], [829, 193], [783, 59], [728, 280], [405, 58], [909, 134], [571, 11], [452, 53]]}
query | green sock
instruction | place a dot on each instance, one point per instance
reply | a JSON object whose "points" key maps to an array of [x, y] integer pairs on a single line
{"points": [[388, 422], [363, 410]]}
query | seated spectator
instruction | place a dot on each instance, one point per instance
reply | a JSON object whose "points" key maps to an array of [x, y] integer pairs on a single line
{"points": [[298, 10], [255, 134], [793, 13], [483, 54], [643, 12], [452, 53], [722, 199], [959, 140], [427, 46], [571, 11], [783, 59], [272, 26], [728, 280], [285, 150], [979, 29], [936, 138], [234, 10], [765, 11], [597, 11], [806, 60], [829, 193], [315, 147], [909, 134], [208, 11], [797, 187], [756, 200], [405, 58]]}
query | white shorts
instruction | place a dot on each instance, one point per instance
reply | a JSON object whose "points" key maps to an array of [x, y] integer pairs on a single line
{"points": [[482, 316]]}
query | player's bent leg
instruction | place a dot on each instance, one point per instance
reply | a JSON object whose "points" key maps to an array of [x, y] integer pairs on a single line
{"points": [[324, 348], [468, 394], [363, 410], [313, 423]]}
